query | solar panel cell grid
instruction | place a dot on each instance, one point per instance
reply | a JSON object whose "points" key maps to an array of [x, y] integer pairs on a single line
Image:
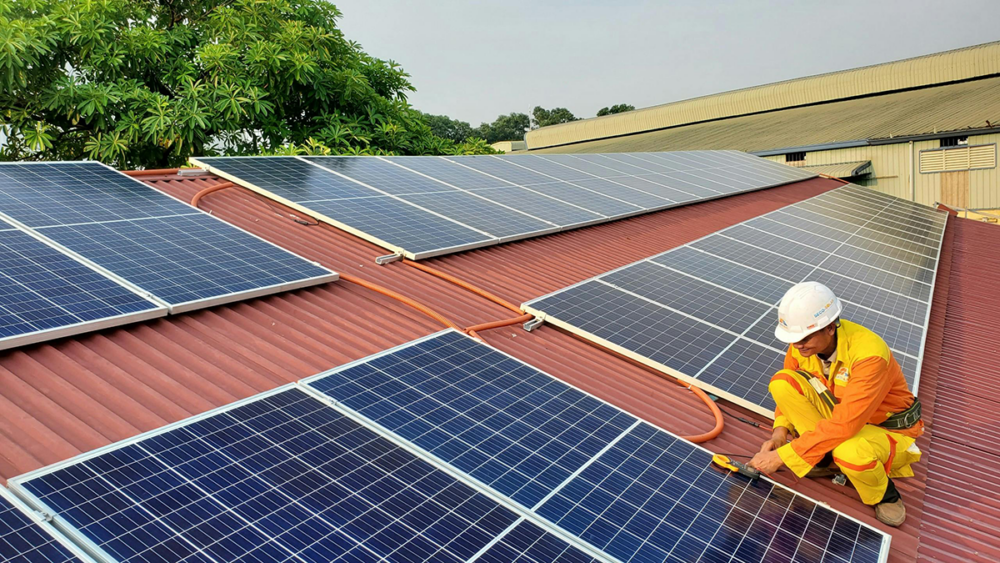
{"points": [[22, 540], [554, 169], [399, 223], [651, 187], [878, 278], [499, 168], [592, 201], [689, 295], [622, 192], [529, 543], [754, 257], [494, 418], [291, 178], [42, 288], [888, 264], [602, 185], [756, 262], [380, 174], [655, 498], [635, 324], [783, 246], [709, 267], [544, 207], [65, 193], [185, 259], [591, 167], [479, 213], [282, 478]]}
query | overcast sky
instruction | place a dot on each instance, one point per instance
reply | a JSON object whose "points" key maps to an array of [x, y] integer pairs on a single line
{"points": [[473, 60]]}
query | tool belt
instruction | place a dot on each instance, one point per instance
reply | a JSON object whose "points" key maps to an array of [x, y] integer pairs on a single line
{"points": [[905, 419]]}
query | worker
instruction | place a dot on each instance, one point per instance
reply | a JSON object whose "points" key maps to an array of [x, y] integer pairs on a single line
{"points": [[843, 399]]}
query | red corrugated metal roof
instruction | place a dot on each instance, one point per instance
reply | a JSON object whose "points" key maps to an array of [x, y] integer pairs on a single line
{"points": [[69, 396]]}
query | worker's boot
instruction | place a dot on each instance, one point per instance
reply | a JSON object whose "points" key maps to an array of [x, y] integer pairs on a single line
{"points": [[891, 510]]}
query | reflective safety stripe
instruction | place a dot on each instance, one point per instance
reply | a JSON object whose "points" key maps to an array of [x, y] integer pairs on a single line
{"points": [[782, 376], [845, 465], [892, 453]]}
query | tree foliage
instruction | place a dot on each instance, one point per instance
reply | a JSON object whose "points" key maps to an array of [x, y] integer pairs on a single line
{"points": [[541, 117], [448, 128], [617, 108], [143, 83], [510, 127]]}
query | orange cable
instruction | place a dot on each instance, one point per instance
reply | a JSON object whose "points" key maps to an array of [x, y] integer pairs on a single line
{"points": [[197, 197], [720, 423], [473, 330], [464, 284], [401, 298]]}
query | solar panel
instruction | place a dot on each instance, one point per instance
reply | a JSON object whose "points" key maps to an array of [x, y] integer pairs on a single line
{"points": [[45, 294], [189, 260], [42, 194], [286, 476], [280, 477], [635, 494], [27, 538], [654, 497], [705, 311], [472, 201], [529, 543], [490, 416], [178, 255]]}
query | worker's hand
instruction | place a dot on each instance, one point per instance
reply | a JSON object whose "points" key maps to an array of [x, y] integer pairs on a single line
{"points": [[767, 462], [778, 438]]}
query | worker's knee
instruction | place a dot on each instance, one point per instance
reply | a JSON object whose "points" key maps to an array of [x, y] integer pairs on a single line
{"points": [[784, 382]]}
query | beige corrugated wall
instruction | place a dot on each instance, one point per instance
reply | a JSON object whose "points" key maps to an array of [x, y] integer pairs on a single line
{"points": [[891, 171], [948, 66]]}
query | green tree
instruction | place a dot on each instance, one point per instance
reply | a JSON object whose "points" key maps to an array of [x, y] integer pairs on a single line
{"points": [[541, 117], [617, 108], [510, 127], [144, 83], [448, 128]]}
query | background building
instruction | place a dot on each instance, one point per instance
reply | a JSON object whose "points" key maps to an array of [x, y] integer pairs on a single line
{"points": [[924, 128]]}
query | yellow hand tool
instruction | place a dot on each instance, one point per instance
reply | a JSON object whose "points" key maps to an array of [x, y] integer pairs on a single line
{"points": [[736, 467]]}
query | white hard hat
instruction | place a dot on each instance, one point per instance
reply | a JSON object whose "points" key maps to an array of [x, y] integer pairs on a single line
{"points": [[805, 308]]}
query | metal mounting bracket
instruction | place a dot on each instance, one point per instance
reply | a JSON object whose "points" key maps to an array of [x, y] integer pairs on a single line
{"points": [[533, 324], [388, 259]]}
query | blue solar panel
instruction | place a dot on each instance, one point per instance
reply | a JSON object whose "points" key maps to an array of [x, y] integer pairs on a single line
{"points": [[505, 197], [529, 543], [188, 259], [480, 213], [65, 193], [494, 418], [706, 311], [654, 497], [399, 224], [279, 478], [289, 178], [42, 289], [24, 540], [637, 494]]}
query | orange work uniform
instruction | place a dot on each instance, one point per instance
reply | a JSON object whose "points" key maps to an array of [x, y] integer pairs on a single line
{"points": [[869, 387]]}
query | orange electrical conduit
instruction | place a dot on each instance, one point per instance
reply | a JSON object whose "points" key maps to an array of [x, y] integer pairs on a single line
{"points": [[474, 330], [197, 197]]}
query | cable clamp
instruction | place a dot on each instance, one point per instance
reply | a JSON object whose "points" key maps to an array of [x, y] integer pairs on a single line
{"points": [[388, 259]]}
